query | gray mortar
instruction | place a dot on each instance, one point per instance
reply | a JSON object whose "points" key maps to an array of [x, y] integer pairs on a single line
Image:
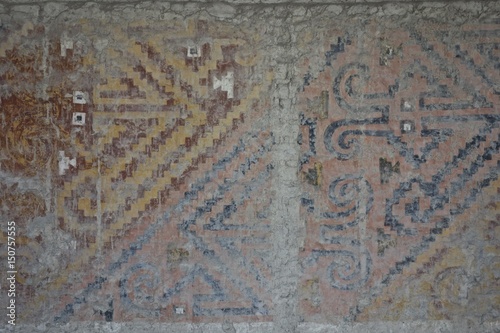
{"points": [[287, 230], [378, 327], [286, 19]]}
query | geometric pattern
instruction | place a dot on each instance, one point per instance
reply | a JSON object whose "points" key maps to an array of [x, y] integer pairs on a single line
{"points": [[174, 135], [136, 160], [169, 147], [449, 281], [400, 137]]}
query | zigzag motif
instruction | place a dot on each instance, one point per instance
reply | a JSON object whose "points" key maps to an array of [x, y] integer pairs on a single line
{"points": [[445, 143], [179, 137], [153, 229]]}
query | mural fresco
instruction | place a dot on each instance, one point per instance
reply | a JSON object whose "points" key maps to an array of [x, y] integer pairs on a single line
{"points": [[138, 161], [399, 141]]}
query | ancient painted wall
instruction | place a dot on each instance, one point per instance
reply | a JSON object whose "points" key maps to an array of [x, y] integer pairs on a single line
{"points": [[250, 167]]}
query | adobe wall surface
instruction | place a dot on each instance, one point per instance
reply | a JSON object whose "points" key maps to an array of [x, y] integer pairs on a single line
{"points": [[250, 166]]}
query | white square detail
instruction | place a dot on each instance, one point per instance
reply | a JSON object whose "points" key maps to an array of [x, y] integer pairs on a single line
{"points": [[80, 97], [193, 52], [78, 118]]}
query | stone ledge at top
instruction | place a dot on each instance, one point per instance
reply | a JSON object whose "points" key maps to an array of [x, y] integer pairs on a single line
{"points": [[243, 2]]}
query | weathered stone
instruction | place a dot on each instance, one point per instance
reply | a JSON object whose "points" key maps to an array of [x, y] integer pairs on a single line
{"points": [[251, 166]]}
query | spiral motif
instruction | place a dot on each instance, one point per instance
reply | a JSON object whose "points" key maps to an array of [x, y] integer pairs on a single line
{"points": [[347, 193], [451, 286], [348, 88], [140, 289], [349, 271]]}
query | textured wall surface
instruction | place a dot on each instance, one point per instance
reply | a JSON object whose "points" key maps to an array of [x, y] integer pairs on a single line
{"points": [[250, 167]]}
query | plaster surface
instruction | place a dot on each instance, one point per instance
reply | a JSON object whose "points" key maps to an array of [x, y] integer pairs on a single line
{"points": [[251, 166]]}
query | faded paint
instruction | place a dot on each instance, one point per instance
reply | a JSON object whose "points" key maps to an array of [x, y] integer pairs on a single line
{"points": [[200, 167]]}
